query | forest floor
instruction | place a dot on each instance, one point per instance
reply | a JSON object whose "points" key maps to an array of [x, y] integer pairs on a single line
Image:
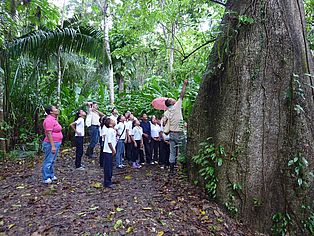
{"points": [[145, 201]]}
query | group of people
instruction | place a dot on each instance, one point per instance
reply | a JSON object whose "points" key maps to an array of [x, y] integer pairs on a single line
{"points": [[123, 137]]}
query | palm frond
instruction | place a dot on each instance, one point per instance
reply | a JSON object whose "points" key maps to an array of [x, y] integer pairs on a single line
{"points": [[42, 44]]}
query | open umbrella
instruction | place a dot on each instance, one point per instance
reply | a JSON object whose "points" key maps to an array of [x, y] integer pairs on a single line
{"points": [[159, 103]]}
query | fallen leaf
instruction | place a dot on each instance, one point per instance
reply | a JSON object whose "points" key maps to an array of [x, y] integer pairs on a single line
{"points": [[128, 177], [118, 224], [202, 212], [160, 233], [20, 187], [147, 208], [11, 226], [96, 185], [129, 230], [65, 150], [94, 208], [118, 209], [162, 223], [82, 214]]}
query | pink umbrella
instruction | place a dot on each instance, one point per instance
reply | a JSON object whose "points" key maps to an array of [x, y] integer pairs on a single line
{"points": [[159, 103]]}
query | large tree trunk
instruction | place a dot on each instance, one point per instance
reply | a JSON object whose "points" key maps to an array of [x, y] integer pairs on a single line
{"points": [[256, 100]]}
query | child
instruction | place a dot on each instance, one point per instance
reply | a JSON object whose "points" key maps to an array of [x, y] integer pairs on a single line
{"points": [[137, 139], [109, 151], [78, 127], [121, 134], [102, 132]]}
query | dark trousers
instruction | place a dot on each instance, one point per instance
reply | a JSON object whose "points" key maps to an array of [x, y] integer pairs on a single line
{"points": [[128, 151], [137, 153], [107, 169], [101, 153], [155, 149], [148, 151], [94, 135], [79, 141], [164, 153]]}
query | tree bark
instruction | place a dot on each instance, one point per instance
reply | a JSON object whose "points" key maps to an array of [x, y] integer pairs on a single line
{"points": [[256, 100]]}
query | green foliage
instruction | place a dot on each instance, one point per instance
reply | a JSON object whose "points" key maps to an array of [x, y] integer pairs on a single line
{"points": [[246, 20], [281, 223], [309, 17], [299, 171], [308, 222], [208, 159], [42, 44]]}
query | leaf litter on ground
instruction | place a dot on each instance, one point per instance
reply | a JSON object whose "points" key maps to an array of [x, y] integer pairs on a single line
{"points": [[145, 202]]}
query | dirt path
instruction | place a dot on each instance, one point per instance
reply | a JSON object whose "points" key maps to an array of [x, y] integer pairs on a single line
{"points": [[144, 202]]}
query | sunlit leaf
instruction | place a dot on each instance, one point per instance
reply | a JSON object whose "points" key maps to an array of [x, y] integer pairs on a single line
{"points": [[118, 224]]}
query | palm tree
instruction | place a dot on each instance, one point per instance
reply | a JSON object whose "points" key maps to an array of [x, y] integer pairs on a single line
{"points": [[42, 45]]}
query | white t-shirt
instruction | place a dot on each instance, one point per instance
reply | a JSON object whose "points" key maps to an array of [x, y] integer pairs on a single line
{"points": [[128, 126], [137, 132], [110, 137], [95, 118], [120, 127], [102, 132], [80, 126], [155, 129]]}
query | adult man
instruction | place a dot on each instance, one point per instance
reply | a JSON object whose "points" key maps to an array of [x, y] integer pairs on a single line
{"points": [[173, 115], [145, 124], [93, 123]]}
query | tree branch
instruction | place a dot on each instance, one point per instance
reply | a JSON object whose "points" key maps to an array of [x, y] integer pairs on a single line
{"points": [[219, 2], [174, 36], [196, 49]]}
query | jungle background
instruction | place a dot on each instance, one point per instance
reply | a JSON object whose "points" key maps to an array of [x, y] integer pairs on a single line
{"points": [[121, 54]]}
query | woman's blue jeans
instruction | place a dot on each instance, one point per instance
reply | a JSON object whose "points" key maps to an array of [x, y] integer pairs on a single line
{"points": [[48, 163], [120, 152]]}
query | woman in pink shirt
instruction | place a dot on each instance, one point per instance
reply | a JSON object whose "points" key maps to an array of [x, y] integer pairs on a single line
{"points": [[51, 143]]}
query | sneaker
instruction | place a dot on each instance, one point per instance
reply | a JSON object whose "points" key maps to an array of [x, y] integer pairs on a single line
{"points": [[156, 162], [112, 186], [152, 163], [162, 167], [134, 165], [138, 165], [80, 168], [82, 165], [54, 178], [119, 167], [48, 181], [142, 163], [122, 165]]}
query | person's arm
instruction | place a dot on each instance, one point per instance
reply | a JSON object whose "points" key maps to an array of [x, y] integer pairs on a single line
{"points": [[112, 149], [183, 89], [98, 112], [52, 143], [73, 126]]}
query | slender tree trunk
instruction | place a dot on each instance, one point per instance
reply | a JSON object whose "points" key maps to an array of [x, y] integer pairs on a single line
{"points": [[171, 55], [256, 100], [107, 54], [59, 66]]}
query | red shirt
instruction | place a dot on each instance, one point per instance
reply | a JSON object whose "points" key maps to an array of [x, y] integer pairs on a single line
{"points": [[51, 124]]}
